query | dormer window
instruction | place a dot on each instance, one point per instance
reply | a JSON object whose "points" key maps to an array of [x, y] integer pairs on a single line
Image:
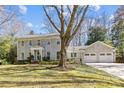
{"points": [[30, 43], [22, 43], [38, 42]]}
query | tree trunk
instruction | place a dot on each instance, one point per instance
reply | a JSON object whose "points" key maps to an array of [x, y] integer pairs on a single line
{"points": [[62, 55]]}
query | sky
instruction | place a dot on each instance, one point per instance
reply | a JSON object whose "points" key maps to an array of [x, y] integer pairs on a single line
{"points": [[33, 15]]}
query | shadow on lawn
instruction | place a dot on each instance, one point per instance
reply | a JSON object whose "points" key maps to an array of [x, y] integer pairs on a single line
{"points": [[98, 72], [73, 79], [48, 83], [22, 69], [27, 70]]}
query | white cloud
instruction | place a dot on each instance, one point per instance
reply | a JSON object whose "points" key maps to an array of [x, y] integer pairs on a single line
{"points": [[36, 26], [22, 9], [43, 25], [40, 26], [96, 7], [111, 17], [29, 24]]}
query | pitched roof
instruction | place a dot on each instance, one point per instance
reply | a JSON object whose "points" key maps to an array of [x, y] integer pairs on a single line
{"points": [[37, 35], [102, 44], [76, 47]]}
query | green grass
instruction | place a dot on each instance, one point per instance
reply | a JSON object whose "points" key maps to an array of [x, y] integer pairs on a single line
{"points": [[39, 76]]}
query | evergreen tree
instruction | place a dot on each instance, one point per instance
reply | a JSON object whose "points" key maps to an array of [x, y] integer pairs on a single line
{"points": [[117, 32], [96, 34]]}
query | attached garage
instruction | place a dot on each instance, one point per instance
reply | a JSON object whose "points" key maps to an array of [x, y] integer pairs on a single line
{"points": [[99, 52], [90, 57], [106, 57]]}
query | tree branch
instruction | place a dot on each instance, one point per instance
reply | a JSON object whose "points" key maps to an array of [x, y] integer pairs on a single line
{"points": [[69, 9], [58, 13], [71, 22], [78, 15], [82, 18], [53, 24], [9, 17], [80, 22], [62, 20]]}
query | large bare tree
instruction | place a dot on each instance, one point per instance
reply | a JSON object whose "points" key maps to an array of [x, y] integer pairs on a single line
{"points": [[67, 21], [6, 13], [11, 22]]}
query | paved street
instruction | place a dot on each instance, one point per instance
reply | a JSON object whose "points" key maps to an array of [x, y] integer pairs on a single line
{"points": [[115, 69]]}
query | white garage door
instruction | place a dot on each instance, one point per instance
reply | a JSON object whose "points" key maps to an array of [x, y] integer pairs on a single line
{"points": [[106, 57], [90, 57]]}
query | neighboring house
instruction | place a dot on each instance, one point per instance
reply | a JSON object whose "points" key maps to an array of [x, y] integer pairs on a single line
{"points": [[49, 46]]}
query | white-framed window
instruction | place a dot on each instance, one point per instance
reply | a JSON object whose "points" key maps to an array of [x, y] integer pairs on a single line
{"points": [[48, 55], [22, 56], [29, 54], [38, 42], [71, 54], [86, 54], [22, 43], [58, 42], [75, 54], [92, 54], [102, 54], [30, 43], [48, 43], [109, 54], [58, 55]]}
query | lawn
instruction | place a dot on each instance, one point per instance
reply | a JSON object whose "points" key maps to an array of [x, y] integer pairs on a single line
{"points": [[41, 76]]}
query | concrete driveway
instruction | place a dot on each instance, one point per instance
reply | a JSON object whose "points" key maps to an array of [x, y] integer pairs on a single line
{"points": [[115, 69]]}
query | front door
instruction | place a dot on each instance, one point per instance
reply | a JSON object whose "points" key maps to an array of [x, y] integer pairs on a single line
{"points": [[37, 55]]}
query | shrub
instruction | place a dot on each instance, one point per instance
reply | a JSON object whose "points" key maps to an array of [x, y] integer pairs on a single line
{"points": [[3, 62], [46, 59], [22, 62], [119, 59], [49, 62]]}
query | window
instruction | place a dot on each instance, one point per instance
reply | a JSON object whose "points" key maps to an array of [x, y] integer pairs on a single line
{"points": [[109, 54], [48, 43], [30, 43], [22, 56], [75, 54], [71, 54], [29, 54], [22, 43], [86, 54], [38, 42], [58, 42], [92, 54], [58, 55], [102, 54], [48, 55]]}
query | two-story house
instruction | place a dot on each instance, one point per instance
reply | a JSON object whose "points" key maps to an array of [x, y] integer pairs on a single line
{"points": [[40, 46], [43, 45]]}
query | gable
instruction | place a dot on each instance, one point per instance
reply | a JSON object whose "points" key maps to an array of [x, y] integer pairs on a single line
{"points": [[99, 47]]}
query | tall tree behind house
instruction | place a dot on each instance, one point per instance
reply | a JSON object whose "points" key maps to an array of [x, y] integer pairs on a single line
{"points": [[118, 27]]}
